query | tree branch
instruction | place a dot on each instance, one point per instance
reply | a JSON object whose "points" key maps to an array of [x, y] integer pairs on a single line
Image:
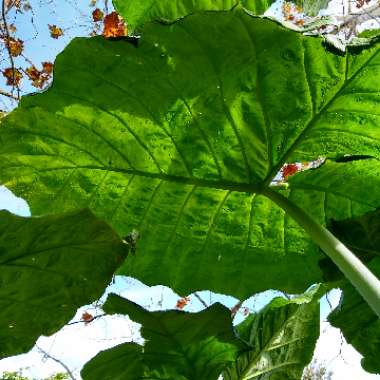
{"points": [[236, 308], [7, 36], [67, 369], [82, 321], [200, 299], [8, 94]]}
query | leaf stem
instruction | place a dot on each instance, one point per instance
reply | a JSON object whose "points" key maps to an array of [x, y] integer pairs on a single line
{"points": [[366, 283]]}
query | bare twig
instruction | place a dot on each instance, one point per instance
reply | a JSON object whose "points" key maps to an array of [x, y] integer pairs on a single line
{"points": [[86, 322], [328, 301], [358, 17], [236, 308], [8, 94], [7, 35], [287, 296], [67, 369], [200, 299]]}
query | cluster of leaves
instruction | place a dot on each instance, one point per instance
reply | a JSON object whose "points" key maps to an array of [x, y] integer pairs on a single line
{"points": [[19, 376], [18, 66], [14, 47], [177, 138]]}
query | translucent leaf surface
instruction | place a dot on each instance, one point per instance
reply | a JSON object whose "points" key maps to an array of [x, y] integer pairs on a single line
{"points": [[179, 345], [177, 134], [338, 190], [138, 12], [50, 266], [282, 338]]}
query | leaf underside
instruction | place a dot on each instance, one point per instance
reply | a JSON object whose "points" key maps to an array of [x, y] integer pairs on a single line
{"points": [[180, 149], [139, 12], [179, 345], [47, 272]]}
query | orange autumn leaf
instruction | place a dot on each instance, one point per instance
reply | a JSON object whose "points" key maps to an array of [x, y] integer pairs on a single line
{"points": [[97, 15], [15, 47], [9, 4], [55, 32], [47, 67], [87, 317], [13, 76], [288, 170], [32, 73], [38, 78], [114, 26], [182, 302]]}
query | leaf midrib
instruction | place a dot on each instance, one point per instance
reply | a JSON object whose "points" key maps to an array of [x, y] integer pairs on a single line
{"points": [[220, 185]]}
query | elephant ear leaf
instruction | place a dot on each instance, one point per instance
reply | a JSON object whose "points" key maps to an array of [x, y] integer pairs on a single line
{"points": [[50, 266], [178, 135], [282, 338], [178, 345]]}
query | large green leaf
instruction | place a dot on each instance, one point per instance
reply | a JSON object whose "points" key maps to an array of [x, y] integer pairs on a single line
{"points": [[178, 136], [138, 12], [50, 266], [282, 338], [359, 324], [178, 345]]}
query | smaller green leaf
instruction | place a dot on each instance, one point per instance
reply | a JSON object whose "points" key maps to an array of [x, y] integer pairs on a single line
{"points": [[122, 362], [359, 324], [50, 266], [361, 234], [178, 346], [282, 338], [339, 189], [138, 12], [336, 191]]}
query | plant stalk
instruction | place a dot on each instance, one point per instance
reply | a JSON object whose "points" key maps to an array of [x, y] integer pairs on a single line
{"points": [[365, 282]]}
